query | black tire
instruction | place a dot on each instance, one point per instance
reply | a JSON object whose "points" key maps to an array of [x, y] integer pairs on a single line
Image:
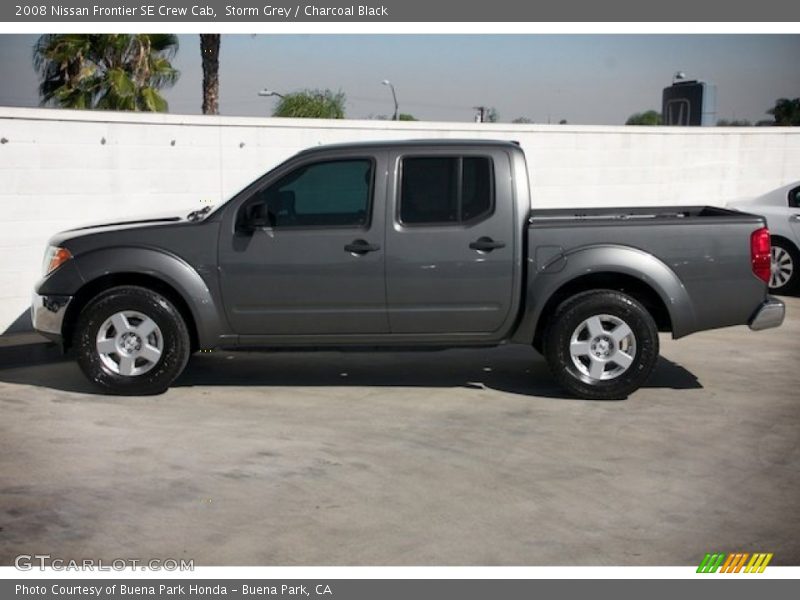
{"points": [[173, 337], [571, 317], [789, 263]]}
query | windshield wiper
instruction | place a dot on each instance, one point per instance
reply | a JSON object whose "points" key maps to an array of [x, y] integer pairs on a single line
{"points": [[198, 214]]}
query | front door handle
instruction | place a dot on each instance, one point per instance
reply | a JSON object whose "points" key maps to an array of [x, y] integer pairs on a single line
{"points": [[361, 247], [794, 219], [486, 244]]}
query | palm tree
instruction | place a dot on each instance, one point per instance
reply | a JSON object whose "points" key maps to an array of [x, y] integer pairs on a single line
{"points": [[105, 71], [209, 48]]}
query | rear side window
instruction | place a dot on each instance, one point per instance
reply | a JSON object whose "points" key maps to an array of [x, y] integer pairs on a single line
{"points": [[446, 189], [794, 198]]}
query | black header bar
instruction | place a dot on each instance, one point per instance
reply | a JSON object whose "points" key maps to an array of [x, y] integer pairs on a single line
{"points": [[464, 11]]}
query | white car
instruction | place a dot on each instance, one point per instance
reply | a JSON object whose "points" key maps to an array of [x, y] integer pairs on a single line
{"points": [[781, 208]]}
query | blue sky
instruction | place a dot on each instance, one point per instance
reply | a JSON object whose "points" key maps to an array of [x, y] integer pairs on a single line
{"points": [[586, 79]]}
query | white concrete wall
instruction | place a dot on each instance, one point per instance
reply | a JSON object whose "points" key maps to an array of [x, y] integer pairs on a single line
{"points": [[63, 168]]}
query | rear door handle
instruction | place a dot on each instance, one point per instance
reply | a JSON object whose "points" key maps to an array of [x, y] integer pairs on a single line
{"points": [[486, 244], [795, 218], [361, 247]]}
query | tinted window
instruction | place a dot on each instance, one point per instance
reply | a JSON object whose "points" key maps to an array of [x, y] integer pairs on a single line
{"points": [[477, 189], [445, 189], [334, 193], [794, 198]]}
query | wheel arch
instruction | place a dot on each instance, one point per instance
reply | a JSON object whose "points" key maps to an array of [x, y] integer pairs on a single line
{"points": [[617, 268], [784, 240], [618, 282], [163, 273], [97, 286]]}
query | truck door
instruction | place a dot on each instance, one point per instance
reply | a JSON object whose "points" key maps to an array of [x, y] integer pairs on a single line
{"points": [[303, 253], [450, 242]]}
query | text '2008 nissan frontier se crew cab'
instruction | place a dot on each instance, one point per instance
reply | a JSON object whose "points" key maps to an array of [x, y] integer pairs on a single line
{"points": [[403, 245]]}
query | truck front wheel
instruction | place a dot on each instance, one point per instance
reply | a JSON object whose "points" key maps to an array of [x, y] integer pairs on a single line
{"points": [[601, 345], [131, 340]]}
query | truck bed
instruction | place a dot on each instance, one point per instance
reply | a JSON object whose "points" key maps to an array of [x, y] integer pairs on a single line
{"points": [[617, 214], [708, 248]]}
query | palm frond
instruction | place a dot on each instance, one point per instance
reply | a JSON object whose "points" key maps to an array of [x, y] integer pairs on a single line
{"points": [[107, 71]]}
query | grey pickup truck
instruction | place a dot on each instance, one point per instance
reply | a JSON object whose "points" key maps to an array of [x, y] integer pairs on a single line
{"points": [[413, 244]]}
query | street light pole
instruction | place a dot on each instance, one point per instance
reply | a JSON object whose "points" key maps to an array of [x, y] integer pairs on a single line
{"points": [[266, 92], [394, 97]]}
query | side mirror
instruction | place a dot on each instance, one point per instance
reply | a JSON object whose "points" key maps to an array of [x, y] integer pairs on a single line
{"points": [[256, 216]]}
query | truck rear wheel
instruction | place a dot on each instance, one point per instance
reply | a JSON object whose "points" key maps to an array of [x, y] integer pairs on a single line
{"points": [[131, 340], [601, 345]]}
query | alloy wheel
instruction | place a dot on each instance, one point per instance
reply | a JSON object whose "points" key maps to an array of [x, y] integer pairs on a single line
{"points": [[781, 267], [602, 347], [129, 343]]}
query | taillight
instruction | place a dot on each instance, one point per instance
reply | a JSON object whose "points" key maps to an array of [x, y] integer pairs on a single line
{"points": [[759, 253]]}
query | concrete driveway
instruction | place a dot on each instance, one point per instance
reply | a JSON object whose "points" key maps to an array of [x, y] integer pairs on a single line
{"points": [[436, 458]]}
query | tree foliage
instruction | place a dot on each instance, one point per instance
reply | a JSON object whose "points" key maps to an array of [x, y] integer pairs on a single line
{"points": [[522, 120], [649, 117], [105, 71], [786, 112], [400, 117], [734, 123], [312, 104]]}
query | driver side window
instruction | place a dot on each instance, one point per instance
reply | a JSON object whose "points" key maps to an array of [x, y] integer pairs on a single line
{"points": [[335, 193]]}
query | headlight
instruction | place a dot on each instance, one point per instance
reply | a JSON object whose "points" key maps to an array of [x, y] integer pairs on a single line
{"points": [[54, 257]]}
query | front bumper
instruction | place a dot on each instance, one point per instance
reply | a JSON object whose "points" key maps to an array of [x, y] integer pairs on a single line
{"points": [[769, 314], [47, 313]]}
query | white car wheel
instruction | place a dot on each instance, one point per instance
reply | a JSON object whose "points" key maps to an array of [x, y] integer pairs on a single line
{"points": [[783, 268]]}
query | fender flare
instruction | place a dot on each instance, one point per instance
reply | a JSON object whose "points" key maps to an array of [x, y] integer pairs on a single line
{"points": [[168, 268], [611, 259]]}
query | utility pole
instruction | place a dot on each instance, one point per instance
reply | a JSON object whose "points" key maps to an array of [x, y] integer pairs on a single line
{"points": [[481, 116]]}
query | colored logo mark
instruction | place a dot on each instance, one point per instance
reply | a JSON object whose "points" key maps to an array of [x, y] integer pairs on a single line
{"points": [[735, 562]]}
